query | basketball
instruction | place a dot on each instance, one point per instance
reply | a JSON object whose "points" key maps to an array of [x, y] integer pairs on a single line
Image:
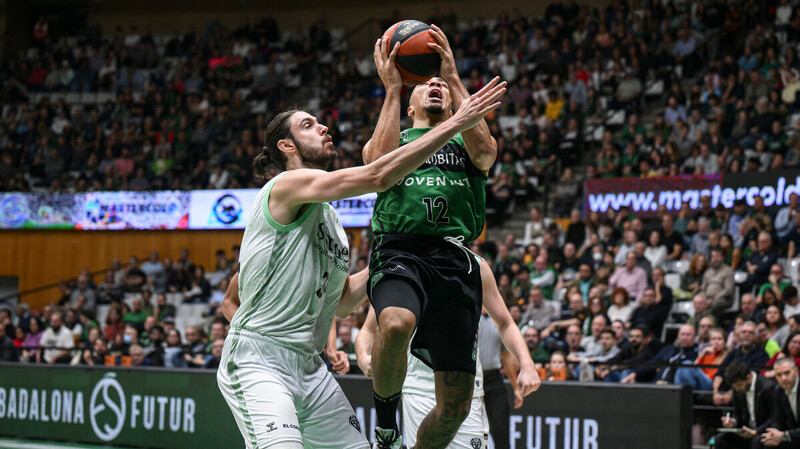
{"points": [[416, 61]]}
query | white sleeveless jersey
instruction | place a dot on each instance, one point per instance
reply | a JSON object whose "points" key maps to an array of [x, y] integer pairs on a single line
{"points": [[420, 381], [291, 276]]}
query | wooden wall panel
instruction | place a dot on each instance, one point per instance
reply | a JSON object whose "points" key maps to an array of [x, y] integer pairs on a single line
{"points": [[38, 258]]}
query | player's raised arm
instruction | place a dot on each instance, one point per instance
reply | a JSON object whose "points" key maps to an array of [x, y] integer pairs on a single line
{"points": [[386, 136], [528, 380], [478, 141], [301, 186]]}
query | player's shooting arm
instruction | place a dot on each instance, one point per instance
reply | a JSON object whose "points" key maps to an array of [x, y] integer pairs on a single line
{"points": [[387, 132], [304, 186], [528, 380], [230, 303], [479, 143], [354, 293]]}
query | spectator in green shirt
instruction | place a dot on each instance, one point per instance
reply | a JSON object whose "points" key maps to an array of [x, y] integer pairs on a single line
{"points": [[775, 282], [538, 354], [137, 315]]}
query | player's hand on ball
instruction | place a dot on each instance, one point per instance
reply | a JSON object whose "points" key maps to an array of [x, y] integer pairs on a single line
{"points": [[442, 46], [385, 63], [479, 104]]}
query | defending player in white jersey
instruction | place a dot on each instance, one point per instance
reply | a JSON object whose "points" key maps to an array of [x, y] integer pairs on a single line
{"points": [[419, 389], [293, 277]]}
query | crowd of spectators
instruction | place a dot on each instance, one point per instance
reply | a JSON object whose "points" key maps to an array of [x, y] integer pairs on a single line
{"points": [[139, 327], [592, 298], [187, 110]]}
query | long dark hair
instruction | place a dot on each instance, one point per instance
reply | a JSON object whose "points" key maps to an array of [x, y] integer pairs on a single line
{"points": [[271, 157]]}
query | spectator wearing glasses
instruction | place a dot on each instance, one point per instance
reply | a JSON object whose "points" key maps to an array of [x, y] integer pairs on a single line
{"points": [[749, 353]]}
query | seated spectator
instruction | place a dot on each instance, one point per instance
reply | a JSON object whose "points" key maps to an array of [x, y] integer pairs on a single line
{"points": [[704, 327], [692, 280], [57, 342], [752, 413], [685, 349], [32, 340], [655, 252], [651, 312], [606, 349], [785, 219], [702, 379], [137, 315], [784, 431], [96, 356], [82, 297], [163, 309], [194, 351], [174, 355], [213, 359], [535, 228], [154, 351], [573, 316], [576, 230], [749, 353], [791, 302], [775, 282], [584, 281], [542, 276], [758, 265], [137, 355], [591, 343], [538, 353], [749, 309], [218, 331], [596, 308], [539, 313], [628, 245], [790, 350], [558, 363], [135, 278], [717, 284], [777, 327], [200, 287], [700, 243], [630, 277], [223, 271], [621, 306], [702, 309], [672, 239], [638, 350], [73, 324], [108, 290], [155, 271]]}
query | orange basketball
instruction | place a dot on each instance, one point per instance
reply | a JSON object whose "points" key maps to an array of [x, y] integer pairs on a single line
{"points": [[416, 61]]}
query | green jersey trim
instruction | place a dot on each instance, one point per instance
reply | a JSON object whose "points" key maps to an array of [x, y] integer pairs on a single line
{"points": [[282, 227]]}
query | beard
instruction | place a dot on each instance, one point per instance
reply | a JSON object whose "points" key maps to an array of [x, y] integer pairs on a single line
{"points": [[434, 109], [315, 156]]}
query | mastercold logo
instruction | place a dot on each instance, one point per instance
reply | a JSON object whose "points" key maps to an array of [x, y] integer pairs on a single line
{"points": [[227, 209], [107, 395]]}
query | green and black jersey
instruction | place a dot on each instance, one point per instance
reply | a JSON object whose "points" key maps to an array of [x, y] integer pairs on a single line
{"points": [[445, 197]]}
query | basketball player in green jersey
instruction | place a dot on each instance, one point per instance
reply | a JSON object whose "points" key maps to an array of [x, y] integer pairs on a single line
{"points": [[423, 280], [294, 275]]}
